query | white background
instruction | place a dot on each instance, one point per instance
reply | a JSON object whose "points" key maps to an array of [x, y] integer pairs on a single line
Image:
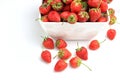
{"points": [[20, 47]]}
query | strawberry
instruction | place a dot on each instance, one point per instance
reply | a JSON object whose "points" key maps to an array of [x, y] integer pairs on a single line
{"points": [[44, 18], [111, 33], [94, 44], [54, 16], [46, 56], [76, 6], [82, 53], [94, 14], [60, 65], [44, 8], [64, 15], [111, 11], [75, 62], [48, 43], [83, 16], [112, 19], [94, 3], [102, 19], [66, 8], [72, 18], [64, 54], [104, 6], [67, 1], [60, 43], [57, 5]]}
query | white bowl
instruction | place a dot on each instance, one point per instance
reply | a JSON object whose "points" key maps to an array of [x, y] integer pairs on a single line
{"points": [[77, 31]]}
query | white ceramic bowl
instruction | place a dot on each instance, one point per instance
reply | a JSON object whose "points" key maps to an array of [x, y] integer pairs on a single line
{"points": [[77, 31]]}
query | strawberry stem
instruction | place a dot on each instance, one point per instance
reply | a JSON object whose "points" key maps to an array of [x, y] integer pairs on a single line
{"points": [[102, 41], [77, 44], [87, 66]]}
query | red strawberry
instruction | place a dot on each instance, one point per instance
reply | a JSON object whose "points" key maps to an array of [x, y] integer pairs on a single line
{"points": [[112, 19], [67, 1], [48, 43], [54, 16], [66, 8], [64, 15], [72, 18], [111, 11], [44, 8], [64, 54], [60, 43], [94, 14], [95, 44], [82, 53], [44, 18], [102, 19], [111, 33], [46, 56], [76, 6], [57, 5], [83, 16], [75, 62], [104, 6], [94, 3], [60, 65]]}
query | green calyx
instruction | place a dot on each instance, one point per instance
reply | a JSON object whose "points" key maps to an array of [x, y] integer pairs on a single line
{"points": [[57, 6], [60, 53], [79, 62], [57, 43], [71, 19]]}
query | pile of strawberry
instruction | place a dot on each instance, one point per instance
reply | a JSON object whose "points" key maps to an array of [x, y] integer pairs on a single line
{"points": [[74, 10]]}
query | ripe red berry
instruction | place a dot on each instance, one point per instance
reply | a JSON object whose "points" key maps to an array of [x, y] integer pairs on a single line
{"points": [[46, 56], [48, 43], [72, 18], [60, 43], [94, 44], [111, 33], [60, 65]]}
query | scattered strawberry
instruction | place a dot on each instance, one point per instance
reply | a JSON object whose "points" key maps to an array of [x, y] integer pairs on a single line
{"points": [[64, 15], [94, 14], [54, 16], [44, 18], [75, 62], [57, 5], [48, 43], [46, 56], [102, 19], [72, 18], [83, 16], [112, 19], [82, 53], [94, 3], [111, 11], [104, 6], [60, 65], [60, 43], [111, 33], [44, 8], [67, 1], [94, 44], [64, 54], [76, 6]]}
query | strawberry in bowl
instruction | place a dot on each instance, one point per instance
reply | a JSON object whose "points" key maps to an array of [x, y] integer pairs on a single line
{"points": [[73, 19]]}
